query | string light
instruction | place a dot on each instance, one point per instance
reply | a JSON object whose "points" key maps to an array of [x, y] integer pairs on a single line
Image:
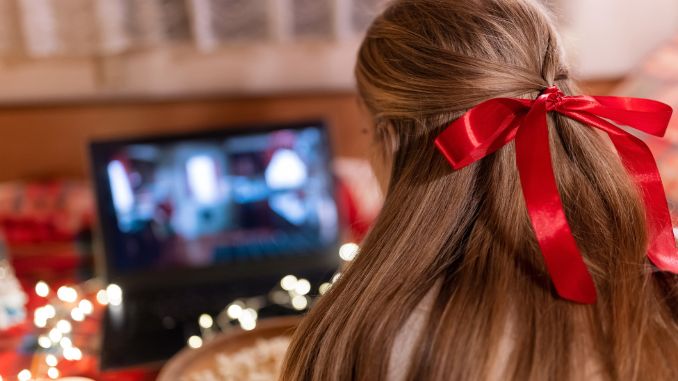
{"points": [[195, 342], [53, 373], [205, 321], [114, 293], [65, 342], [324, 288], [24, 375], [288, 283], [55, 335], [247, 324], [44, 342], [49, 310], [64, 326], [234, 310], [248, 319], [56, 322], [302, 287], [42, 289], [77, 314], [51, 360], [72, 354], [86, 306], [39, 322], [67, 294], [348, 251], [252, 313], [299, 302], [102, 297], [293, 293], [42, 314]]}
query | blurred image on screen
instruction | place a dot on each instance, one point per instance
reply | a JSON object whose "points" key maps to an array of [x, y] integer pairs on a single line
{"points": [[196, 203]]}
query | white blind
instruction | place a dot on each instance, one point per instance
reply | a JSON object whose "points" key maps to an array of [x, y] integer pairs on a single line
{"points": [[54, 28]]}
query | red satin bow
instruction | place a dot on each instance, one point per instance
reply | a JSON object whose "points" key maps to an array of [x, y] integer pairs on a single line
{"points": [[494, 123]]}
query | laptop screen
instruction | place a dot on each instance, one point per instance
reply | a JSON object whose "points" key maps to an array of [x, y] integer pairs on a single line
{"points": [[216, 199]]}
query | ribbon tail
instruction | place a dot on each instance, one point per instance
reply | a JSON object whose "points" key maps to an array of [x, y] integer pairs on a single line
{"points": [[641, 165], [563, 259]]}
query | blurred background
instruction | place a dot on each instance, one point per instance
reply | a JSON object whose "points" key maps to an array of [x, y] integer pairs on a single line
{"points": [[87, 66], [295, 56], [76, 71]]}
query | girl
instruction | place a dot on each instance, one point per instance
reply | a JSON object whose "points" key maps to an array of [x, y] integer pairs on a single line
{"points": [[451, 283]]}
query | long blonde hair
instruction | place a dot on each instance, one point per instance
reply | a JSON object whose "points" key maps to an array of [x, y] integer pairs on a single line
{"points": [[422, 64]]}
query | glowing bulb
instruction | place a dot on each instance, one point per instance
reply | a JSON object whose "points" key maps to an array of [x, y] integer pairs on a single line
{"points": [[53, 373], [102, 297], [234, 311], [195, 342], [288, 283], [55, 335], [42, 314], [348, 251], [39, 322], [86, 306], [336, 277], [324, 288], [51, 360], [299, 302], [64, 326], [65, 342], [252, 313], [77, 315], [303, 287], [49, 311], [45, 312], [67, 294], [41, 289], [248, 324], [24, 375], [248, 319], [44, 342], [205, 321], [72, 354], [114, 293]]}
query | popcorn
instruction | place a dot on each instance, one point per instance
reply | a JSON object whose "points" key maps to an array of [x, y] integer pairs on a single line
{"points": [[260, 362]]}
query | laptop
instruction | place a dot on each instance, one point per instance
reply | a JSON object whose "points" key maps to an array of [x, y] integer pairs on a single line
{"points": [[191, 222]]}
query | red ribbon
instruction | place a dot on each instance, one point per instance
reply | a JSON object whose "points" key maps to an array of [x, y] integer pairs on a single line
{"points": [[492, 124]]}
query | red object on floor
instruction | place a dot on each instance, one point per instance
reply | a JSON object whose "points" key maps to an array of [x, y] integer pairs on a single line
{"points": [[356, 224], [41, 247], [17, 346]]}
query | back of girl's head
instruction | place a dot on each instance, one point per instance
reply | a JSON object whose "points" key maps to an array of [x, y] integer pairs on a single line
{"points": [[466, 234]]}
